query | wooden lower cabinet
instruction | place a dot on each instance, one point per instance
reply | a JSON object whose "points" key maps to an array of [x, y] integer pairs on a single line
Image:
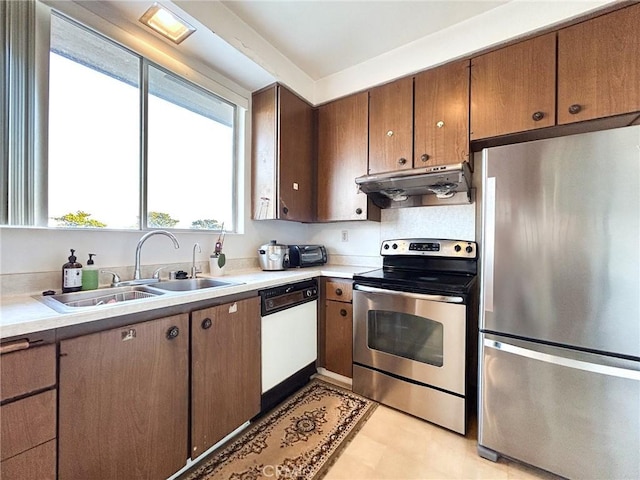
{"points": [[336, 326], [38, 463], [27, 423], [123, 401], [26, 371], [225, 370], [338, 345], [28, 415]]}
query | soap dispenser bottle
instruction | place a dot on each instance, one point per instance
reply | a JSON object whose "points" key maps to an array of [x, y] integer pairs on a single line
{"points": [[71, 275], [90, 274]]}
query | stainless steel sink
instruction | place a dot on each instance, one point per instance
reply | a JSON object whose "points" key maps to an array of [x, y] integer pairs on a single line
{"points": [[72, 302], [191, 284]]}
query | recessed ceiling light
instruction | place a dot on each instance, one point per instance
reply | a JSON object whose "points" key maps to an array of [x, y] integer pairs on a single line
{"points": [[166, 23]]}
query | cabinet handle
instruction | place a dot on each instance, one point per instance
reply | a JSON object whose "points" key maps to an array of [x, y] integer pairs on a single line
{"points": [[285, 210], [358, 211], [402, 161], [339, 292], [537, 116], [343, 312], [206, 323], [173, 332], [390, 133], [575, 108], [424, 157], [440, 124]]}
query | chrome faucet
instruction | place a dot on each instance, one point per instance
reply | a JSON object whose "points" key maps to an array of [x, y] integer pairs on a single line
{"points": [[194, 269], [136, 271]]}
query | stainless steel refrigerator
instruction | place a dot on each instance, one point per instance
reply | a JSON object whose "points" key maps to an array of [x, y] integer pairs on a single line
{"points": [[560, 304]]}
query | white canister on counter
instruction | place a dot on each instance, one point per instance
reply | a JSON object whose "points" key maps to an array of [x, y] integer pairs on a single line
{"points": [[215, 269]]}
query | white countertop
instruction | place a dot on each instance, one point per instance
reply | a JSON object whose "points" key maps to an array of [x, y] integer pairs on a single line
{"points": [[23, 314]]}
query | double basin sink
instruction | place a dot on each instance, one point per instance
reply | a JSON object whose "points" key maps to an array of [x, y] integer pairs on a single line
{"points": [[72, 302]]}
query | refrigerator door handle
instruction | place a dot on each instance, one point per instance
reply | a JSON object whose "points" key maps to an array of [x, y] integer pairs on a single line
{"points": [[489, 234], [563, 361]]}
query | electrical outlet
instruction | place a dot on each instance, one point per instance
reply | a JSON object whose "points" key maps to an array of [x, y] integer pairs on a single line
{"points": [[345, 235]]}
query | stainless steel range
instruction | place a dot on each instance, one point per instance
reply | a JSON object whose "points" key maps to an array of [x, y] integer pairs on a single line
{"points": [[415, 327]]}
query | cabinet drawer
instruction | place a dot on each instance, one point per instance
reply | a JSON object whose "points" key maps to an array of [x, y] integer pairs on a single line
{"points": [[36, 464], [339, 291], [26, 371], [27, 423]]}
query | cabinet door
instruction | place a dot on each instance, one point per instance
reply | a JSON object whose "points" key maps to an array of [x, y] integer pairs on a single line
{"points": [[342, 156], [599, 67], [225, 370], [441, 127], [339, 337], [391, 126], [513, 88], [123, 401], [263, 153], [296, 168]]}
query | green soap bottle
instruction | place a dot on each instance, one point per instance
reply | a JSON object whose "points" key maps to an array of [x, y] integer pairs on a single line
{"points": [[90, 274]]}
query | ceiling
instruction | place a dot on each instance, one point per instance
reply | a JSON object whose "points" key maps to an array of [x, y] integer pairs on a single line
{"points": [[325, 37], [312, 45]]}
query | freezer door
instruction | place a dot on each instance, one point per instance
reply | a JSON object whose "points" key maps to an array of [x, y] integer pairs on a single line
{"points": [[571, 413], [561, 230]]}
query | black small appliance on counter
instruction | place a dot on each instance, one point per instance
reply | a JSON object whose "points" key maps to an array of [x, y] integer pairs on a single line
{"points": [[307, 256]]}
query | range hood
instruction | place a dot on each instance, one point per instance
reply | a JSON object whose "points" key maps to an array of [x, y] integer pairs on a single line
{"points": [[441, 184]]}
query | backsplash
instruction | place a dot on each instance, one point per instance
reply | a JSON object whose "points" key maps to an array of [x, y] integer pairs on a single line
{"points": [[364, 238], [456, 222]]}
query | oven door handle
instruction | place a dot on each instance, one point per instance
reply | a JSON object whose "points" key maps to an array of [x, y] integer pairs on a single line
{"points": [[419, 296]]}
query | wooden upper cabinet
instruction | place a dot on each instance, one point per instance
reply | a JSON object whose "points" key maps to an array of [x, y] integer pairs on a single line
{"points": [[296, 190], [441, 125], [513, 88], [263, 153], [282, 156], [599, 67], [342, 156], [391, 126]]}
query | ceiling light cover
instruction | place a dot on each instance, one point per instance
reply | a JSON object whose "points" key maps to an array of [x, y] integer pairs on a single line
{"points": [[166, 23]]}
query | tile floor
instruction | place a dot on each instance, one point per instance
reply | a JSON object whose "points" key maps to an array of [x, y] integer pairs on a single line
{"points": [[393, 445]]}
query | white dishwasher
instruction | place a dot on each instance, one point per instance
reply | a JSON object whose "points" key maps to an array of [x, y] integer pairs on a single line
{"points": [[289, 339]]}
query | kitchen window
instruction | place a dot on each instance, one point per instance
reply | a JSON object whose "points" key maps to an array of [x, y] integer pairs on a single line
{"points": [[131, 145]]}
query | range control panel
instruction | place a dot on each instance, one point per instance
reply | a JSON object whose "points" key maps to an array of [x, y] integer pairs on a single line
{"points": [[429, 247]]}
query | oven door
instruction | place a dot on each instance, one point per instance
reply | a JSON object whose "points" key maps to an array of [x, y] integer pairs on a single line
{"points": [[418, 337]]}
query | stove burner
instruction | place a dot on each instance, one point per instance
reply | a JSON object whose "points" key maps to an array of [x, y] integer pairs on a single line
{"points": [[441, 270]]}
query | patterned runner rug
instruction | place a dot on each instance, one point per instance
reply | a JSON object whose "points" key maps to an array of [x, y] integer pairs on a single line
{"points": [[299, 439]]}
